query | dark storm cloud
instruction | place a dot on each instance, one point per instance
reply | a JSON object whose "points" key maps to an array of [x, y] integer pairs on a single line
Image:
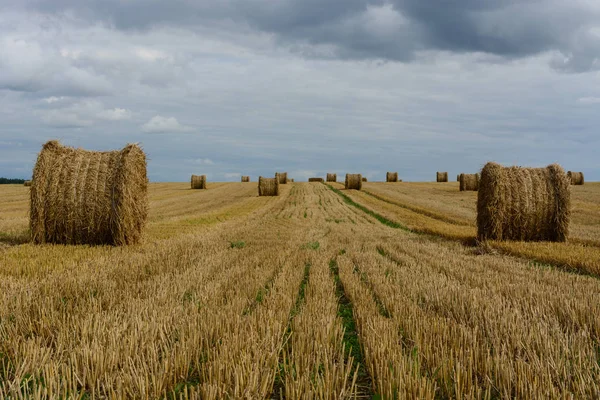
{"points": [[375, 29]]}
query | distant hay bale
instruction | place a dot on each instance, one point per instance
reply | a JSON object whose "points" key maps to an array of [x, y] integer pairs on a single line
{"points": [[354, 181], [27, 183], [458, 178], [245, 178], [290, 181], [268, 186], [198, 181], [364, 179], [576, 178], [282, 177], [442, 177], [469, 182], [391, 177], [88, 197], [529, 204], [331, 177], [315, 179]]}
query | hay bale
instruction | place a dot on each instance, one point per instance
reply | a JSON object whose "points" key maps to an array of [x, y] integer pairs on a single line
{"points": [[268, 186], [530, 204], [88, 197], [391, 177], [282, 177], [458, 178], [469, 182], [576, 178], [245, 178], [442, 176], [27, 183], [290, 181], [198, 182], [315, 179], [354, 181], [364, 179], [331, 177]]}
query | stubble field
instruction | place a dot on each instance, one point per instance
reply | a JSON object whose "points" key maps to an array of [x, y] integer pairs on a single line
{"points": [[318, 293]]}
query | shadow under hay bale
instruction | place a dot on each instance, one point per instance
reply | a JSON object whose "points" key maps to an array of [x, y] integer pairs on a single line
{"points": [[331, 177], [529, 204], [282, 176], [245, 178], [576, 178], [198, 182], [391, 177], [315, 179], [442, 176], [268, 186], [88, 197], [353, 181], [469, 182]]}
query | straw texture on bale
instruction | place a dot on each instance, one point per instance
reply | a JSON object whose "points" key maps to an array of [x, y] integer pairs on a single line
{"points": [[198, 182], [442, 177], [331, 177], [354, 181], [282, 177], [529, 204], [391, 177], [469, 182], [268, 186], [27, 183], [245, 178], [315, 179], [576, 178], [88, 197]]}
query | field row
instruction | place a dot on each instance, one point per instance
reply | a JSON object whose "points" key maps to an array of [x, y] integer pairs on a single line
{"points": [[298, 296]]}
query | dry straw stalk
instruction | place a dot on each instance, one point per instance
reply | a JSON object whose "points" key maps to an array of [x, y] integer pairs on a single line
{"points": [[469, 182], [282, 177], [198, 182], [391, 177], [528, 204], [576, 178], [245, 178], [331, 177], [268, 186], [315, 179], [442, 176], [88, 197], [354, 181]]}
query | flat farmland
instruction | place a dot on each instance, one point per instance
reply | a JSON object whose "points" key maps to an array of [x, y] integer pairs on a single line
{"points": [[320, 293]]}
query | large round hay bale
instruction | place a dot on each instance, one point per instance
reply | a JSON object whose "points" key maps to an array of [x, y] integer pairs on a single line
{"points": [[268, 186], [88, 197], [315, 179], [354, 181], [27, 183], [198, 182], [530, 204], [391, 177], [245, 178], [442, 176], [331, 177], [576, 178], [469, 182], [282, 177]]}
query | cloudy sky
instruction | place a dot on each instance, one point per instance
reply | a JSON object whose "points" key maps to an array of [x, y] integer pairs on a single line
{"points": [[226, 87]]}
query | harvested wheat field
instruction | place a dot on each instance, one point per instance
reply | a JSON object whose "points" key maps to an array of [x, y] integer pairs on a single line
{"points": [[320, 292]]}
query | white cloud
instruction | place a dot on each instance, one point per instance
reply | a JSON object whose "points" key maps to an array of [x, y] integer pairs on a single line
{"points": [[589, 100], [159, 124], [203, 161], [116, 114]]}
